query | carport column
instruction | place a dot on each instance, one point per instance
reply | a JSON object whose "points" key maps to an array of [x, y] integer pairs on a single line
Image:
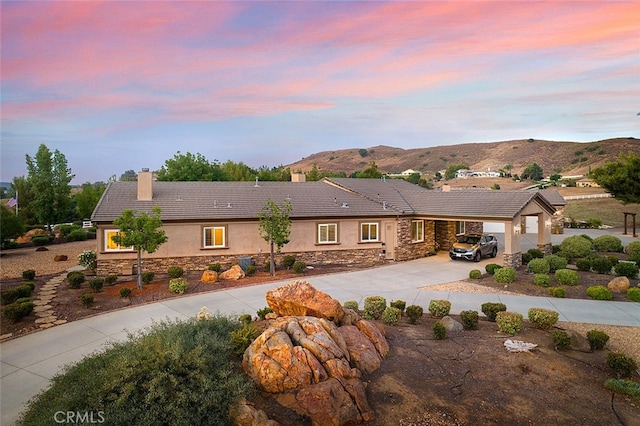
{"points": [[544, 233], [512, 251]]}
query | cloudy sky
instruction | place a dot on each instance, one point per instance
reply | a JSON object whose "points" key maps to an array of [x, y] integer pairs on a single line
{"points": [[124, 85]]}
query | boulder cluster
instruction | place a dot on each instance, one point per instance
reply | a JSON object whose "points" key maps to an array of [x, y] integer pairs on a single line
{"points": [[313, 355]]}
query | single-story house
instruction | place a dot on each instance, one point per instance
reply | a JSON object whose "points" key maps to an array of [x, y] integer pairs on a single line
{"points": [[333, 221]]}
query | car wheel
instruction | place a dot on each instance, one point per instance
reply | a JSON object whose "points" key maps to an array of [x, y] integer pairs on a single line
{"points": [[477, 257], [494, 252]]}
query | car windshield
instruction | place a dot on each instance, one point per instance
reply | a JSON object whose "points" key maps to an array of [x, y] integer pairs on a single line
{"points": [[465, 239]]}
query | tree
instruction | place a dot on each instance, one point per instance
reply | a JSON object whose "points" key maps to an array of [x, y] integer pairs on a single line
{"points": [[278, 174], [314, 174], [87, 199], [10, 224], [370, 172], [21, 188], [621, 178], [49, 178], [554, 178], [237, 172], [190, 168], [452, 169], [508, 169], [532, 172], [275, 226], [129, 176], [142, 233]]}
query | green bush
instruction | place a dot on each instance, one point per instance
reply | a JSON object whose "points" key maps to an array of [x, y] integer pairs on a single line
{"points": [[607, 243], [75, 279], [23, 300], [556, 262], [633, 249], [599, 292], [9, 296], [148, 276], [77, 235], [505, 275], [400, 304], [178, 285], [262, 313], [391, 315], [125, 292], [96, 284], [16, 311], [491, 268], [576, 246], [31, 285], [491, 309], [469, 319], [299, 267], [626, 269], [633, 294], [535, 253], [184, 371], [597, 339], [288, 261], [561, 340], [439, 308], [509, 322], [587, 237], [555, 249], [243, 337], [110, 279], [266, 267], [542, 280], [475, 274], [87, 300], [542, 319], [374, 306], [613, 260], [584, 264], [557, 292], [215, 267], [601, 265], [40, 240], [414, 313], [351, 304], [526, 258], [439, 331], [623, 386], [28, 275], [539, 266], [175, 272], [245, 319], [251, 270], [621, 365], [567, 277]]}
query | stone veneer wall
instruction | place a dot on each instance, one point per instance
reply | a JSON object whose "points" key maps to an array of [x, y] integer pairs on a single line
{"points": [[408, 250], [546, 249], [445, 234], [474, 227], [514, 260]]}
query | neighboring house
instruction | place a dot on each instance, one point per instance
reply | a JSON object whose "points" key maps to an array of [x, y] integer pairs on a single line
{"points": [[464, 173], [333, 221], [587, 183], [404, 174]]}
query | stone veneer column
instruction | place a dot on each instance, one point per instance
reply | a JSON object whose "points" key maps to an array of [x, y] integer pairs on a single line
{"points": [[545, 248], [514, 259]]}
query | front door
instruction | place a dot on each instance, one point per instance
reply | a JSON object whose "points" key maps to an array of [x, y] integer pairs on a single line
{"points": [[390, 241]]}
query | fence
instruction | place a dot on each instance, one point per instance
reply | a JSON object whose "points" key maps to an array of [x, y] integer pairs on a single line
{"points": [[586, 197]]}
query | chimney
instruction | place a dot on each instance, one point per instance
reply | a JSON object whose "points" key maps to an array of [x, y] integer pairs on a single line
{"points": [[298, 177], [445, 188], [145, 185]]}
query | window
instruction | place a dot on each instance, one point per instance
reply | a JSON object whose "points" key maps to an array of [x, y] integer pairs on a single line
{"points": [[460, 227], [214, 237], [327, 233], [417, 231], [369, 232], [109, 244]]}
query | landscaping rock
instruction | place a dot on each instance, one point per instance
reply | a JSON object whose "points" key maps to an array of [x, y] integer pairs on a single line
{"points": [[451, 325], [243, 413], [61, 258], [209, 277], [619, 285], [234, 273], [363, 353], [578, 342], [42, 249], [302, 299]]}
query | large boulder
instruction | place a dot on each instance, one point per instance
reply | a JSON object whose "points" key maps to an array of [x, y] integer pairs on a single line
{"points": [[209, 277], [60, 258], [619, 285], [234, 273], [301, 299]]}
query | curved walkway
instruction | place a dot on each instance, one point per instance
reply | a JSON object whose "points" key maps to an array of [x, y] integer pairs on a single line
{"points": [[29, 362]]}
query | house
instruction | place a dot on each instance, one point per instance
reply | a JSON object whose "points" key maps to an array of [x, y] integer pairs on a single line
{"points": [[587, 183], [333, 221]]}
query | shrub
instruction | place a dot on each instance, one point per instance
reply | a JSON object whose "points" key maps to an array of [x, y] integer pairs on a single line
{"points": [[509, 322], [623, 386], [9, 296], [40, 240], [490, 310], [86, 300], [96, 284], [175, 272], [576, 246], [400, 304], [535, 253], [439, 308], [601, 265], [567, 277], [526, 258], [599, 292], [475, 274], [374, 306], [125, 292], [87, 259], [542, 318], [587, 237], [469, 319], [583, 264], [539, 266], [28, 275], [391, 315], [77, 235], [215, 267], [266, 267], [243, 337], [607, 243], [23, 300], [16, 311], [110, 279], [633, 294], [414, 313], [31, 285], [262, 313], [556, 262], [613, 260], [245, 319], [491, 268], [439, 331], [561, 340], [351, 304], [626, 269], [621, 365], [75, 279], [251, 270], [148, 276], [557, 292], [542, 280], [178, 285], [555, 249], [299, 267], [597, 339], [505, 275], [633, 249], [23, 290], [288, 261]]}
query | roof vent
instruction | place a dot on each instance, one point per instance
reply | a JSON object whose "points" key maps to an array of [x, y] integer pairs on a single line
{"points": [[384, 205], [345, 206], [256, 185], [215, 204], [228, 205]]}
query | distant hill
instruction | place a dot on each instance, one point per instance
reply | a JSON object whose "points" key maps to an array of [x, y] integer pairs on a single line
{"points": [[565, 158]]}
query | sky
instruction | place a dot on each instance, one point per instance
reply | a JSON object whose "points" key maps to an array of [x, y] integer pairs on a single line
{"points": [[119, 86]]}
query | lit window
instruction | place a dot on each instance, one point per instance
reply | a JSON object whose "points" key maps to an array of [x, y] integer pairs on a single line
{"points": [[109, 244], [214, 236], [327, 233], [417, 231], [368, 232]]}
